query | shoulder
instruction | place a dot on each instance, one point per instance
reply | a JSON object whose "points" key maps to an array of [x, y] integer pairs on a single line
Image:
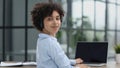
{"points": [[48, 41]]}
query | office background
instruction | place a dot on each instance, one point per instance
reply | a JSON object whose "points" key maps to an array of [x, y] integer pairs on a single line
{"points": [[85, 20]]}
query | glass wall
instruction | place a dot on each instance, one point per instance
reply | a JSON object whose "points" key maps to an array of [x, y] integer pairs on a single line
{"points": [[84, 20], [90, 20], [18, 37]]}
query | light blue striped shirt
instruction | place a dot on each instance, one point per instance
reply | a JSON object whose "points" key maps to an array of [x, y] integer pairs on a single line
{"points": [[49, 53]]}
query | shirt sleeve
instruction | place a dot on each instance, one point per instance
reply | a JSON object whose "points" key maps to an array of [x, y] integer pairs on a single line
{"points": [[58, 55], [72, 61]]}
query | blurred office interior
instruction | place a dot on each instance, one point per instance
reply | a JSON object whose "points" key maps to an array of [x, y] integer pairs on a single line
{"points": [[84, 20]]}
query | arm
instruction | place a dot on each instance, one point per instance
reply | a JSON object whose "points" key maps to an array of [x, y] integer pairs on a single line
{"points": [[58, 56], [72, 61]]}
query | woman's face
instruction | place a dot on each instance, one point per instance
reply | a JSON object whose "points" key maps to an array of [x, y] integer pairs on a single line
{"points": [[52, 23]]}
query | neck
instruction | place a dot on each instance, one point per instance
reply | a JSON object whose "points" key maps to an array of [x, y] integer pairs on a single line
{"points": [[46, 32]]}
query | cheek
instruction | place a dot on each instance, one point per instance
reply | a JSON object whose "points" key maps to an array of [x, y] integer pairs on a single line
{"points": [[46, 25], [60, 23]]}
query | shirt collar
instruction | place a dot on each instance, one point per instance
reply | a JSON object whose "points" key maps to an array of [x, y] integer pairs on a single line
{"points": [[43, 35]]}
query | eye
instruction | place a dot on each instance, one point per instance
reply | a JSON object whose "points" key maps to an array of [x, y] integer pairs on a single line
{"points": [[58, 18], [49, 18]]}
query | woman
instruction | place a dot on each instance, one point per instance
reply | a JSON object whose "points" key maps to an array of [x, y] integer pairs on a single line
{"points": [[47, 18]]}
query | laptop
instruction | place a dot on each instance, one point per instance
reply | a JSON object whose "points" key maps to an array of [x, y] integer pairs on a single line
{"points": [[92, 53]]}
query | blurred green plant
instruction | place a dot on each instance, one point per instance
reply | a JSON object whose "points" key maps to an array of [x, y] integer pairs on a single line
{"points": [[117, 48]]}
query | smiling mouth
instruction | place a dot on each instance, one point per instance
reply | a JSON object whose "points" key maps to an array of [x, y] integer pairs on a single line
{"points": [[54, 26]]}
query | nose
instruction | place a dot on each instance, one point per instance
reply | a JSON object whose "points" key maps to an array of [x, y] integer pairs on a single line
{"points": [[55, 21]]}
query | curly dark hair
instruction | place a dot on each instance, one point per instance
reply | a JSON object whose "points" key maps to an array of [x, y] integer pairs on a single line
{"points": [[42, 10]]}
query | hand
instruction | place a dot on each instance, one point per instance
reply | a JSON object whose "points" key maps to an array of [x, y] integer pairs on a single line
{"points": [[81, 66], [79, 60]]}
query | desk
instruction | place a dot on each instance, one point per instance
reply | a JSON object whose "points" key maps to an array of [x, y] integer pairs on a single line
{"points": [[20, 67], [109, 65]]}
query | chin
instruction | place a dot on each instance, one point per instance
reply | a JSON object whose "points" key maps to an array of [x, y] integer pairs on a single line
{"points": [[55, 32]]}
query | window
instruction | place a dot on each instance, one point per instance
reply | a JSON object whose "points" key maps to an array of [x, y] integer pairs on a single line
{"points": [[90, 21]]}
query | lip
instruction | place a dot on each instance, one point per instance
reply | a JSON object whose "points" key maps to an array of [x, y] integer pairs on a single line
{"points": [[55, 27]]}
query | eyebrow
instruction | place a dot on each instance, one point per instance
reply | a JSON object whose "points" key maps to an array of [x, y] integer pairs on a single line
{"points": [[56, 16]]}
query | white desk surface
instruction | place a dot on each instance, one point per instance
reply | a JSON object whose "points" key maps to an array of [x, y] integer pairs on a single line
{"points": [[109, 65]]}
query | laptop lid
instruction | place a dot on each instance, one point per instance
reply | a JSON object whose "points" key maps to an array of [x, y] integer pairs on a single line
{"points": [[92, 52]]}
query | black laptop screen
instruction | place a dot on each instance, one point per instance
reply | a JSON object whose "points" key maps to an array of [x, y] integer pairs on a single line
{"points": [[92, 52]]}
